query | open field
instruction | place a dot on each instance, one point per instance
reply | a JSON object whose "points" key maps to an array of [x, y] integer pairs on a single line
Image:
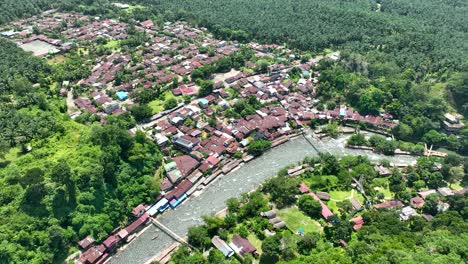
{"points": [[39, 48], [294, 219]]}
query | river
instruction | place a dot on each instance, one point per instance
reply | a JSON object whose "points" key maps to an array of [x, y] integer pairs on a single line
{"points": [[245, 179]]}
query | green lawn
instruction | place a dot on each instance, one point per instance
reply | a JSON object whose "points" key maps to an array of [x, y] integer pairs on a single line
{"points": [[158, 105], [257, 243], [382, 186], [294, 219], [340, 195]]}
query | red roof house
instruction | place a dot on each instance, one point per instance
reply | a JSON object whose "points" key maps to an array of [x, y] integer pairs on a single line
{"points": [[186, 164], [138, 210], [86, 242], [358, 222], [303, 188], [147, 24], [326, 212]]}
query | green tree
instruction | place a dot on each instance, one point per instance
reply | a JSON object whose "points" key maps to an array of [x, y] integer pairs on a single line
{"points": [[310, 206], [170, 103], [141, 112], [257, 147]]}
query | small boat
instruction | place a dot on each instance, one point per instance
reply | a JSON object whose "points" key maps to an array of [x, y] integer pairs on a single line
{"points": [[155, 237]]}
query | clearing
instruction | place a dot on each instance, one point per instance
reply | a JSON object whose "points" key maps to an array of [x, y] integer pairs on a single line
{"points": [[294, 219]]}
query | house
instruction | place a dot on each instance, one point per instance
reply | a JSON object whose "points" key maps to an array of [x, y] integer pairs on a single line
{"points": [[269, 214], [138, 210], [279, 225], [383, 172], [356, 204], [389, 204], [244, 245], [427, 217], [424, 194], [186, 164], [274, 220], [222, 246], [86, 242], [212, 160], [93, 255], [445, 191], [326, 212], [147, 24], [452, 122], [442, 207], [172, 172], [323, 196], [303, 188], [358, 222], [111, 242], [137, 224], [407, 212], [183, 144], [417, 202]]}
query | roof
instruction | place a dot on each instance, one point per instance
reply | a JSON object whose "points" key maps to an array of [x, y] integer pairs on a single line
{"points": [[137, 223], [303, 188], [86, 242], [356, 204], [417, 202], [138, 209], [147, 23], [244, 244], [111, 241], [323, 196], [389, 204], [212, 160], [186, 164], [268, 214], [326, 212], [358, 222], [92, 255], [424, 194], [222, 246]]}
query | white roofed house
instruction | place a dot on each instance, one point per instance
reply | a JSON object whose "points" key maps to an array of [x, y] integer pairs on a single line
{"points": [[222, 246]]}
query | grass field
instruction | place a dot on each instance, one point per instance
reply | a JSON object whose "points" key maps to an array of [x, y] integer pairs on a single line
{"points": [[257, 243], [340, 195], [56, 59], [158, 105], [382, 186], [294, 219]]}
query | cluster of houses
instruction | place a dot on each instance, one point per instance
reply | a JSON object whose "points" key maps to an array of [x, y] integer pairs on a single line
{"points": [[418, 202], [92, 253], [22, 32]]}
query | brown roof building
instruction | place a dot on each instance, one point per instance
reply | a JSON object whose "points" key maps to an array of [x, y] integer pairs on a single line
{"points": [[389, 204], [244, 245]]}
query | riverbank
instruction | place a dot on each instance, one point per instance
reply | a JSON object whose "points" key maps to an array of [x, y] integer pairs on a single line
{"points": [[214, 196]]}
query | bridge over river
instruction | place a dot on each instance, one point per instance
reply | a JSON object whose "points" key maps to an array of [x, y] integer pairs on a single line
{"points": [[213, 198]]}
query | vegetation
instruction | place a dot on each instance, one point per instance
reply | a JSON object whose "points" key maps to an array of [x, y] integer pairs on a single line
{"points": [[383, 237], [257, 147], [67, 180]]}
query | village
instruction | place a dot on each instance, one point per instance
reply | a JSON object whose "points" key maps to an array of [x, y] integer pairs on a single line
{"points": [[203, 135]]}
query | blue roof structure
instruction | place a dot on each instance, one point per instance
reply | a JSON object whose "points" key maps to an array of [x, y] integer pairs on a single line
{"points": [[122, 95]]}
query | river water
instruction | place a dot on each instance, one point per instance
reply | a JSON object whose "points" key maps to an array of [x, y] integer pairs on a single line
{"points": [[214, 197]]}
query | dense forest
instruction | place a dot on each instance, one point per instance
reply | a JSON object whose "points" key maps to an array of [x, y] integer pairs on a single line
{"points": [[61, 180], [12, 9], [427, 34]]}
